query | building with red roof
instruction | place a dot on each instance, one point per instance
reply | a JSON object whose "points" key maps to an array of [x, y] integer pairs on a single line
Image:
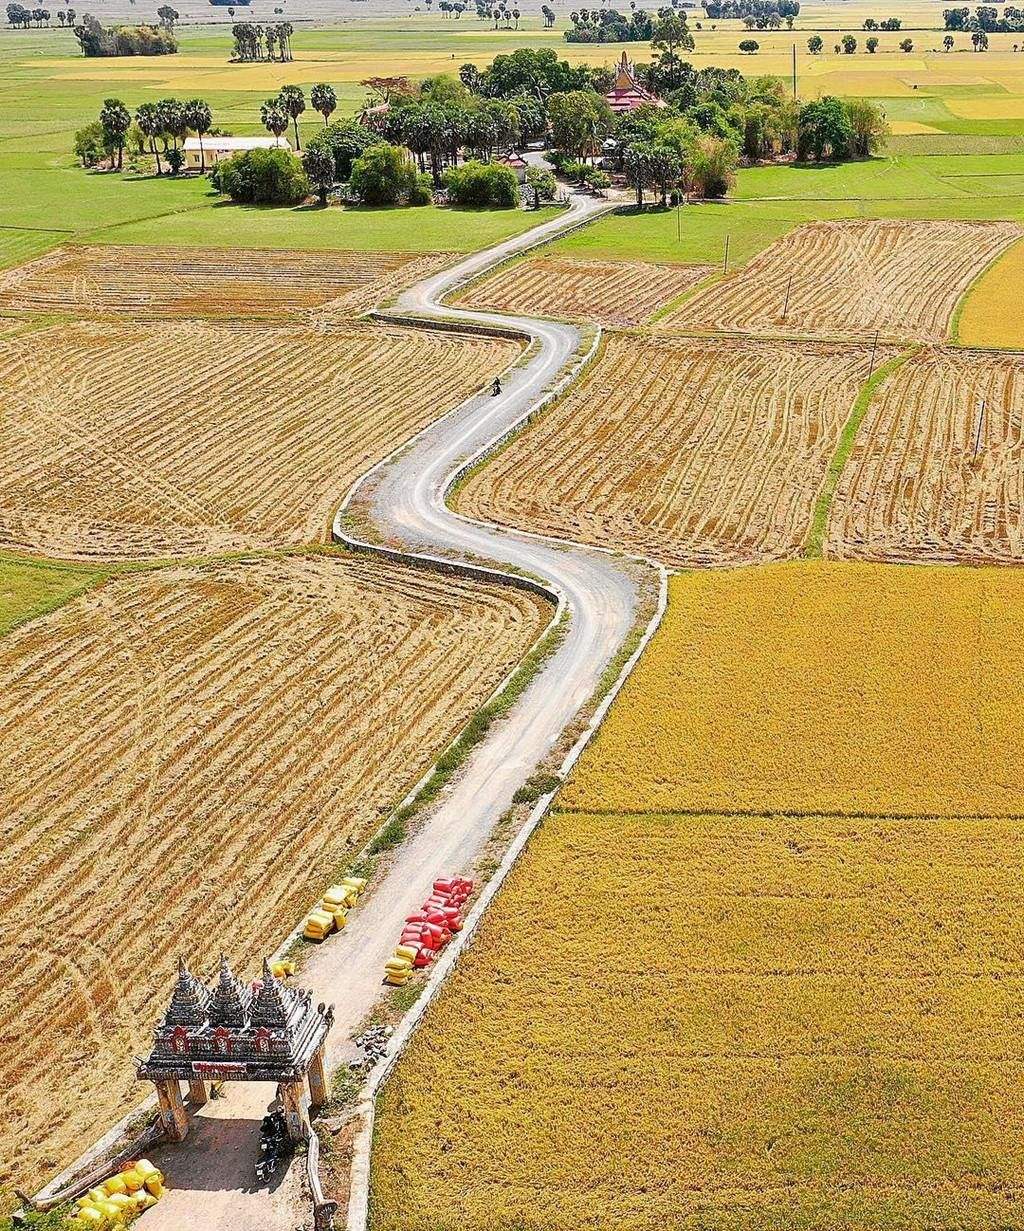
{"points": [[627, 93]]}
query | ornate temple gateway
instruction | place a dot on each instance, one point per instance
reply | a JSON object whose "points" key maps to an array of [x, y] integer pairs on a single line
{"points": [[234, 1032]]}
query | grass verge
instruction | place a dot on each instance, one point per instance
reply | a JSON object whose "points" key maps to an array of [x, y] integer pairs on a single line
{"points": [[31, 588], [816, 535]]}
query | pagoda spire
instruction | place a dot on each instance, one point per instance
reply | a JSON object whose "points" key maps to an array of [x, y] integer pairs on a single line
{"points": [[230, 1003], [273, 1003], [190, 999]]}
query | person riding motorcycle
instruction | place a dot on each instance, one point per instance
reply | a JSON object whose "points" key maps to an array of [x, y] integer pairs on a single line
{"points": [[496, 387]]}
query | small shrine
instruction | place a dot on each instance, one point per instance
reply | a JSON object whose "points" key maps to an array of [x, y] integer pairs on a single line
{"points": [[236, 1032], [627, 93]]}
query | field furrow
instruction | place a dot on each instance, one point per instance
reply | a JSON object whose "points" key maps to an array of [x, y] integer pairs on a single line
{"points": [[187, 438], [695, 452], [937, 469], [144, 283], [609, 292], [191, 754], [852, 278]]}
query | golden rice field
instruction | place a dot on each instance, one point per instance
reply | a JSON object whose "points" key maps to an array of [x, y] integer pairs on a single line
{"points": [[729, 1022], [190, 754], [143, 283], [831, 688], [609, 292], [936, 472], [696, 452], [689, 1009], [188, 437], [991, 313], [852, 278]]}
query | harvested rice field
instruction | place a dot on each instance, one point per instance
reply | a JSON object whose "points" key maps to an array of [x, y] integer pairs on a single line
{"points": [[831, 688], [936, 472], [206, 747], [851, 278], [693, 451], [714, 993], [187, 437], [142, 283], [991, 314], [610, 292]]}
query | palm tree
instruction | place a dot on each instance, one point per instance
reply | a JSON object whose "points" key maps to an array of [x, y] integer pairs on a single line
{"points": [[274, 119], [293, 102], [199, 118], [148, 119], [116, 120], [324, 100]]}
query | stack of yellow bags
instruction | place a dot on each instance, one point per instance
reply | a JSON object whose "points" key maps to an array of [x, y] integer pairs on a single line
{"points": [[333, 910], [121, 1198]]}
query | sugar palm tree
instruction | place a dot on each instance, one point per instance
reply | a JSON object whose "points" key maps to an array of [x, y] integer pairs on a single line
{"points": [[293, 102], [199, 118], [148, 119], [324, 100], [274, 119]]}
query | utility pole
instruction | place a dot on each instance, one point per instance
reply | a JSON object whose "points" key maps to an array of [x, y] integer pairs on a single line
{"points": [[977, 434], [725, 262], [874, 347], [785, 306], [794, 70], [678, 203]]}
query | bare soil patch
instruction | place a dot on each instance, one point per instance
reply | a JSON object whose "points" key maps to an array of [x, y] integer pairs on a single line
{"points": [[695, 452], [851, 278], [187, 437], [609, 292], [141, 283], [937, 469], [188, 756]]}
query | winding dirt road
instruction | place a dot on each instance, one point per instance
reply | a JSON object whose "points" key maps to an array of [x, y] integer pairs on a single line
{"points": [[212, 1172]]}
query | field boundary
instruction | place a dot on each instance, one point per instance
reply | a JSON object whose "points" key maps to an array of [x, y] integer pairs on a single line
{"points": [[815, 542], [359, 1190]]}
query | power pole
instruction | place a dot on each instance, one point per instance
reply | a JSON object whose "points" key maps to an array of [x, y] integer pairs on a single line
{"points": [[794, 70], [977, 434], [725, 262], [785, 306], [874, 347]]}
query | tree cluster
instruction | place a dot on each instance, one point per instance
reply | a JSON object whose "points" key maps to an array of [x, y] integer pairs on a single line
{"points": [[262, 177], [835, 129], [985, 19], [254, 42], [20, 17], [762, 14], [609, 26], [143, 40]]}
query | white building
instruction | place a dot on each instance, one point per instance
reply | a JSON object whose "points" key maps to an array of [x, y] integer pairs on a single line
{"points": [[223, 147]]}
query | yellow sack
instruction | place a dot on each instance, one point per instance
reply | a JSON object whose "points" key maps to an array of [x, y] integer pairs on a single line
{"points": [[132, 1180], [145, 1200], [358, 883], [398, 963], [398, 978], [89, 1216], [336, 895], [280, 969], [115, 1184], [109, 1210], [93, 1196], [144, 1167], [155, 1187], [339, 916], [406, 952]]}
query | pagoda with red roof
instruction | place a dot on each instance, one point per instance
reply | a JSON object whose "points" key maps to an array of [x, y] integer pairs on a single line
{"points": [[627, 93]]}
